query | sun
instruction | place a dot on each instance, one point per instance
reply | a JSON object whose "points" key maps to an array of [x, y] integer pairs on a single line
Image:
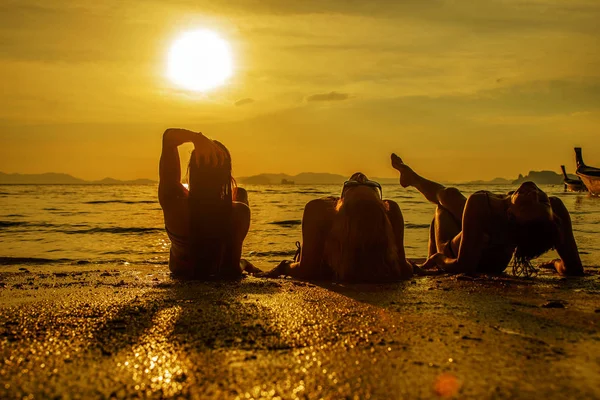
{"points": [[199, 60]]}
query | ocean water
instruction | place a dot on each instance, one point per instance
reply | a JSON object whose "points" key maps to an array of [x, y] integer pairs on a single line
{"points": [[76, 224]]}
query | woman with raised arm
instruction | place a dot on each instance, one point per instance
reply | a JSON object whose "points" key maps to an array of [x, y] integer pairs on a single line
{"points": [[357, 237], [208, 220], [483, 232]]}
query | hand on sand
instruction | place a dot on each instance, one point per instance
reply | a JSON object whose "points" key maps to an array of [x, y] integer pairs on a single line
{"points": [[281, 269], [418, 271], [429, 267], [405, 171], [550, 265]]}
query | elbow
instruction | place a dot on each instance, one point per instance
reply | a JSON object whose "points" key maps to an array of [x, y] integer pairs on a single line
{"points": [[166, 135]]}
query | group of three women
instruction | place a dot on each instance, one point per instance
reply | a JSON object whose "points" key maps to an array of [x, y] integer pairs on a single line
{"points": [[359, 236]]}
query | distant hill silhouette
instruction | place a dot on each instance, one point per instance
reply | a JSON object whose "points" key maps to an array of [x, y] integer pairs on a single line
{"points": [[311, 178], [495, 181], [304, 178], [52, 178], [316, 178], [542, 178]]}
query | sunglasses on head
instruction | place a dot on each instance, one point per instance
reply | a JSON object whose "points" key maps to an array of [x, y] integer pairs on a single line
{"points": [[373, 184]]}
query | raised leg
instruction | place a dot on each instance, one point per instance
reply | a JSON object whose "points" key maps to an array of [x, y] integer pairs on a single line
{"points": [[240, 195], [449, 198]]}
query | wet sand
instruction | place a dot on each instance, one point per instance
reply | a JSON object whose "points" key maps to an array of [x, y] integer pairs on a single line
{"points": [[82, 332]]}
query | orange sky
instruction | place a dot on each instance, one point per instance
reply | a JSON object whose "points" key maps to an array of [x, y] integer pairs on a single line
{"points": [[461, 90]]}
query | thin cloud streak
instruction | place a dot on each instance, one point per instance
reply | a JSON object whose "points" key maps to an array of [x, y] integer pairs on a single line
{"points": [[331, 96]]}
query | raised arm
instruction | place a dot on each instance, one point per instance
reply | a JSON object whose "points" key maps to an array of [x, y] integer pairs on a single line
{"points": [[570, 262], [169, 169]]}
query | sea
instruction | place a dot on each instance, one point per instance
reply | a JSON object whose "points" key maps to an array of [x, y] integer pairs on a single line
{"points": [[46, 225]]}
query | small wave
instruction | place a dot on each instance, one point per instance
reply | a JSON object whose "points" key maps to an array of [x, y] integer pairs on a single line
{"points": [[288, 222], [310, 192], [8, 224], [272, 253], [121, 202], [116, 230], [32, 260], [416, 226], [43, 261], [77, 228]]}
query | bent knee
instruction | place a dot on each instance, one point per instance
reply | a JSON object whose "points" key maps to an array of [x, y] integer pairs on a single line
{"points": [[441, 212], [240, 195], [392, 206], [240, 214], [449, 193]]}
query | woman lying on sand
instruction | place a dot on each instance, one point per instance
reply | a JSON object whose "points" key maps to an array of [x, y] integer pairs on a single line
{"points": [[484, 232], [208, 221], [356, 237]]}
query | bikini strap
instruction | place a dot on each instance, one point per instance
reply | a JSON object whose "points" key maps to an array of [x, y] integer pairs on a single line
{"points": [[298, 250]]}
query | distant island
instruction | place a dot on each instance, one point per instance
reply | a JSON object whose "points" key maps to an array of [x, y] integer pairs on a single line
{"points": [[315, 178], [304, 178], [52, 178], [543, 178]]}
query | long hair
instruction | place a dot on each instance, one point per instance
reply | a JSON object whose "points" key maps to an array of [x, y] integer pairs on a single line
{"points": [[210, 204], [533, 239], [361, 246]]}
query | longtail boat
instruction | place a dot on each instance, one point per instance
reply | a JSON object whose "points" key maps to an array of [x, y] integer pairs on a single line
{"points": [[589, 175], [572, 185]]}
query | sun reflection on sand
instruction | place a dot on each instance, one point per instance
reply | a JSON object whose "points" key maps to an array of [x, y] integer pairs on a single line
{"points": [[155, 359]]}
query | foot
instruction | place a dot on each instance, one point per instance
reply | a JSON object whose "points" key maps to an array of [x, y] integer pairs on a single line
{"points": [[281, 269], [406, 173], [249, 267]]}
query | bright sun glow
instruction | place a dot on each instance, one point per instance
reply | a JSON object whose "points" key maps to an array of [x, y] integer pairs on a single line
{"points": [[199, 60]]}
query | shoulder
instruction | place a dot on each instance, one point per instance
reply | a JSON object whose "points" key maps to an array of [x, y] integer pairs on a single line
{"points": [[478, 199], [558, 207], [321, 205], [555, 202], [170, 194], [323, 201], [477, 205]]}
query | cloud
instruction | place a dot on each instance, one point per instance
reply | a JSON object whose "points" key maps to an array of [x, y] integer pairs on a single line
{"points": [[331, 96], [243, 102]]}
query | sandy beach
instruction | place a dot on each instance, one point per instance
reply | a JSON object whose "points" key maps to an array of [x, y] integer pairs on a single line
{"points": [[126, 332]]}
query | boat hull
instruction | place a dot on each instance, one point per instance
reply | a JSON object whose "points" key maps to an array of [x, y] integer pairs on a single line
{"points": [[576, 186], [591, 182]]}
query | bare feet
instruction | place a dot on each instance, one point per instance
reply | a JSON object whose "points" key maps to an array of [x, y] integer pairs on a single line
{"points": [[406, 173], [249, 267], [281, 269]]}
